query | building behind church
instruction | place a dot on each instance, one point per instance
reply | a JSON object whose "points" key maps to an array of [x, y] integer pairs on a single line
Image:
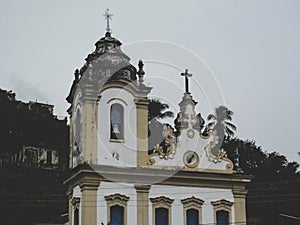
{"points": [[30, 135]]}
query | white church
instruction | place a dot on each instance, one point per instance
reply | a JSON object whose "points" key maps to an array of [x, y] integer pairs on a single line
{"points": [[117, 178]]}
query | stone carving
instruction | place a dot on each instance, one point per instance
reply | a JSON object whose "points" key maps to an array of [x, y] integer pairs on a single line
{"points": [[166, 149], [213, 147]]}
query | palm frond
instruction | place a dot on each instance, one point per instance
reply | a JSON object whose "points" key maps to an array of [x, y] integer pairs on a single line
{"points": [[229, 131], [211, 117], [166, 114], [230, 125], [210, 125], [156, 110]]}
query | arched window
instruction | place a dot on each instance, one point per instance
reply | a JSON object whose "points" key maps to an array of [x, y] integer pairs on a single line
{"points": [[161, 210], [192, 217], [76, 216], [161, 216], [76, 205], [222, 217], [116, 215], [192, 209], [117, 122], [116, 209], [222, 211]]}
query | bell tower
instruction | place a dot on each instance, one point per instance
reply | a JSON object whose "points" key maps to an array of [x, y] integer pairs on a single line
{"points": [[109, 108]]}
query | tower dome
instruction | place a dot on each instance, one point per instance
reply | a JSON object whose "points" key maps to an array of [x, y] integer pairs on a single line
{"points": [[108, 62]]}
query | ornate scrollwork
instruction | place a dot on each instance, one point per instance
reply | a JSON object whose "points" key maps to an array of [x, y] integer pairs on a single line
{"points": [[198, 123], [212, 147], [167, 148]]}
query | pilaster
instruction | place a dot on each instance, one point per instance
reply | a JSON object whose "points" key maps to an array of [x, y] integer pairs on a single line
{"points": [[89, 188], [142, 131], [90, 130], [240, 205], [142, 192]]}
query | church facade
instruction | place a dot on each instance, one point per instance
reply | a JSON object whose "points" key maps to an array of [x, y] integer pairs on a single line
{"points": [[118, 179]]}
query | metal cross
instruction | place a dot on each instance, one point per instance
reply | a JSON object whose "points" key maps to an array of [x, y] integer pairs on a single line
{"points": [[107, 16], [187, 75]]}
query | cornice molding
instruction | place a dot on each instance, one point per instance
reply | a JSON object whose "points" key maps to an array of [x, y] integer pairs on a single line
{"points": [[148, 176]]}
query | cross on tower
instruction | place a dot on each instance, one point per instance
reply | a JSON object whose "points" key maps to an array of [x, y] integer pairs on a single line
{"points": [[107, 16], [187, 75]]}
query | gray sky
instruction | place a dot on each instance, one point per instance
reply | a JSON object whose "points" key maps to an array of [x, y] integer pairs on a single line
{"points": [[251, 46]]}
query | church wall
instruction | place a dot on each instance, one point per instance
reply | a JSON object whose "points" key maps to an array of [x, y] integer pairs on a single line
{"points": [[112, 152], [177, 193]]}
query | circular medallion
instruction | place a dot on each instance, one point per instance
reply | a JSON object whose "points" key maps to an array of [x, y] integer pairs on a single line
{"points": [[190, 133], [191, 159]]}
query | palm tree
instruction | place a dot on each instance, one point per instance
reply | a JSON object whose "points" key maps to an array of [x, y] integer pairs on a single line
{"points": [[220, 122], [156, 110]]}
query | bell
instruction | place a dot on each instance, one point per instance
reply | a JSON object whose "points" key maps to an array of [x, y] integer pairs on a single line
{"points": [[116, 128]]}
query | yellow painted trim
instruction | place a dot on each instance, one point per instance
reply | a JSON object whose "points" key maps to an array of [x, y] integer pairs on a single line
{"points": [[117, 140], [142, 202], [118, 99]]}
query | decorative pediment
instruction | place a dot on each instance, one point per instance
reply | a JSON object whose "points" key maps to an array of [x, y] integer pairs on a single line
{"points": [[162, 199], [192, 201], [116, 197], [222, 204]]}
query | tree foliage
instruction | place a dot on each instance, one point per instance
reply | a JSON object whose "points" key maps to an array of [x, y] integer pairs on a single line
{"points": [[220, 121], [264, 166], [157, 110]]}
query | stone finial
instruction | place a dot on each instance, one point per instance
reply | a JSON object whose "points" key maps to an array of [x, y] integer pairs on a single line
{"points": [[237, 167], [76, 74], [141, 72]]}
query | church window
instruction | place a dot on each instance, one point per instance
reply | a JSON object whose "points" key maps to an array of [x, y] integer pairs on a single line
{"points": [[161, 216], [116, 122], [192, 210], [222, 217], [161, 210], [76, 216], [192, 217], [222, 212], [76, 205], [116, 215], [117, 209]]}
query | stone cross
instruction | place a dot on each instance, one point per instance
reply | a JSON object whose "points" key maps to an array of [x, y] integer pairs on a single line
{"points": [[187, 75]]}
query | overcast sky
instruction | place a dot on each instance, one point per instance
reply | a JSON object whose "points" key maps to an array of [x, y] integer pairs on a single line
{"points": [[252, 48]]}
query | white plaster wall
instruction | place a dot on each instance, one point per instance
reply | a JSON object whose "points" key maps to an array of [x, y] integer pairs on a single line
{"points": [[127, 150], [109, 188], [178, 193]]}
